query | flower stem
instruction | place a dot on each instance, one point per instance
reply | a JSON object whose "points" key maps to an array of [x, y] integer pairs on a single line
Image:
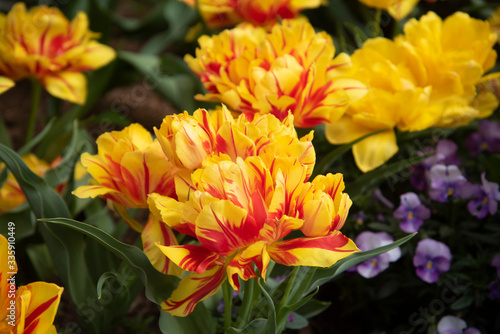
{"points": [[36, 91], [248, 300], [378, 16], [228, 304]]}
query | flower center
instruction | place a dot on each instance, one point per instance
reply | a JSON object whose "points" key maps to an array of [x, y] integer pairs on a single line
{"points": [[450, 191], [484, 146], [485, 200], [410, 215], [429, 264], [374, 262]]}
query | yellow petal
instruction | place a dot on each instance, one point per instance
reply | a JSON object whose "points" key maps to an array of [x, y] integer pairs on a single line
{"points": [[375, 150], [70, 86], [5, 84]]}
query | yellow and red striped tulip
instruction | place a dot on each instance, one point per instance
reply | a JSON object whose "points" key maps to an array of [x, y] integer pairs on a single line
{"points": [[35, 304], [292, 68], [398, 9], [240, 213], [226, 13], [11, 195], [41, 43], [129, 165], [192, 141], [157, 232]]}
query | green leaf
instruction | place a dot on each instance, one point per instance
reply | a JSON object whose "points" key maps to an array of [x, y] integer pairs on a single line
{"points": [[104, 277], [21, 216], [298, 321], [389, 173], [271, 321], [64, 245], [199, 322], [462, 303], [322, 276], [4, 134], [173, 82], [313, 308], [177, 27], [158, 286], [257, 326], [329, 159], [40, 260]]}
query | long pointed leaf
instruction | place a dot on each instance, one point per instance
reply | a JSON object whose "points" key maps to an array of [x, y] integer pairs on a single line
{"points": [[158, 286], [322, 276], [336, 154], [64, 245]]}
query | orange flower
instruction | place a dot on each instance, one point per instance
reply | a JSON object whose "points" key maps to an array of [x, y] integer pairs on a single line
{"points": [[240, 213], [35, 304], [292, 68], [43, 44], [225, 13]]}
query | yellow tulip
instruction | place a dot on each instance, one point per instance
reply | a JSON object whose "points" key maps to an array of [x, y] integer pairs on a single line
{"points": [[42, 44], [433, 75], [35, 304], [398, 9]]}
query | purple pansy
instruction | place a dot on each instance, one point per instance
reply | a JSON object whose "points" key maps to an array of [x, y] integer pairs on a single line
{"points": [[486, 139], [359, 217], [494, 288], [444, 155], [445, 182], [370, 240], [454, 325], [485, 198], [431, 259], [496, 263], [412, 213]]}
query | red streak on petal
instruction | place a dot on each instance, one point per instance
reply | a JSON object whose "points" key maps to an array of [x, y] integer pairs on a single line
{"points": [[39, 310]]}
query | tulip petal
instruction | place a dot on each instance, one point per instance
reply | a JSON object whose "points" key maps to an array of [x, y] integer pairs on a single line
{"points": [[95, 55], [317, 252], [40, 301], [375, 150], [157, 232], [70, 86], [190, 257], [5, 84], [192, 289], [224, 227]]}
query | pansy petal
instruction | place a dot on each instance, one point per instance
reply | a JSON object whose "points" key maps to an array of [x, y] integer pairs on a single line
{"points": [[193, 289], [317, 252]]}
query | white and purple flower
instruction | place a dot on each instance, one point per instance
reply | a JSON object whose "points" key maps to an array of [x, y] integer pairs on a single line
{"points": [[432, 258], [486, 139], [370, 240], [411, 212], [485, 198], [454, 325], [446, 182]]}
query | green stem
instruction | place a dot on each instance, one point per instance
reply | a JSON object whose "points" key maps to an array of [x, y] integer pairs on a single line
{"points": [[378, 17], [36, 92], [288, 288], [248, 301], [227, 294]]}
